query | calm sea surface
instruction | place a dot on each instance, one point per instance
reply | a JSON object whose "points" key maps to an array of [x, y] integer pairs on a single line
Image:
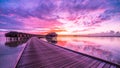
{"points": [[107, 48], [10, 52]]}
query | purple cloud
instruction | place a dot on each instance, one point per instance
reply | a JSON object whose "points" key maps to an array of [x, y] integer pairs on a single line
{"points": [[52, 10], [9, 23]]}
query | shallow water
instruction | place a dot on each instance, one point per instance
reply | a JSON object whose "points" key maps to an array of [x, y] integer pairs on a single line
{"points": [[107, 48], [9, 55]]}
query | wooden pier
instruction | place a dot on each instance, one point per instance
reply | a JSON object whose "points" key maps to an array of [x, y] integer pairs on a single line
{"points": [[40, 54]]}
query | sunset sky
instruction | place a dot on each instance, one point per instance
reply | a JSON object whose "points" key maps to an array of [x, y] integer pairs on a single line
{"points": [[61, 16]]}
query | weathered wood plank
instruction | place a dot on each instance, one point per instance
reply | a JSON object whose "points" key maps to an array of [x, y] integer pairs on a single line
{"points": [[106, 66], [96, 64], [39, 54], [101, 65], [112, 66]]}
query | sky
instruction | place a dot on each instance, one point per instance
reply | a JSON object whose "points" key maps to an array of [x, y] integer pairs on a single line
{"points": [[60, 16]]}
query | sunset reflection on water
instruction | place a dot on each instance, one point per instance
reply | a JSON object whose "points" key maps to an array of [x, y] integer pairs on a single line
{"points": [[107, 48]]}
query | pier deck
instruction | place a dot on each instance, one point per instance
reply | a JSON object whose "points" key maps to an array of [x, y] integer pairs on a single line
{"points": [[40, 54]]}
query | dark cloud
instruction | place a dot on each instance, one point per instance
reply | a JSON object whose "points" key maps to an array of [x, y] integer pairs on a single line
{"points": [[114, 3], [44, 9], [81, 5], [37, 8], [9, 23]]}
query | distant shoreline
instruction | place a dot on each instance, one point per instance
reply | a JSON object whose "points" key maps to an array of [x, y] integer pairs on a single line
{"points": [[84, 36]]}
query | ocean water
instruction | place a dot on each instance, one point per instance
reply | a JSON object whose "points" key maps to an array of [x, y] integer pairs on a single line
{"points": [[9, 53], [107, 48]]}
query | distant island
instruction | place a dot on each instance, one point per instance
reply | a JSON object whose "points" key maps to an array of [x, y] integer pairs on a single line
{"points": [[106, 34], [103, 34]]}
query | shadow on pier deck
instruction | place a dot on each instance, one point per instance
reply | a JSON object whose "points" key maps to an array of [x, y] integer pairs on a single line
{"points": [[40, 54]]}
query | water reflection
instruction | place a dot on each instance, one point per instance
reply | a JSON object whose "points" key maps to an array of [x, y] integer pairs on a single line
{"points": [[15, 41], [107, 48], [10, 51], [51, 37]]}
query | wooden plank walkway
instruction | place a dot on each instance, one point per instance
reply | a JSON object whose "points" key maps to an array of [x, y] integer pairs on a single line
{"points": [[40, 54]]}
